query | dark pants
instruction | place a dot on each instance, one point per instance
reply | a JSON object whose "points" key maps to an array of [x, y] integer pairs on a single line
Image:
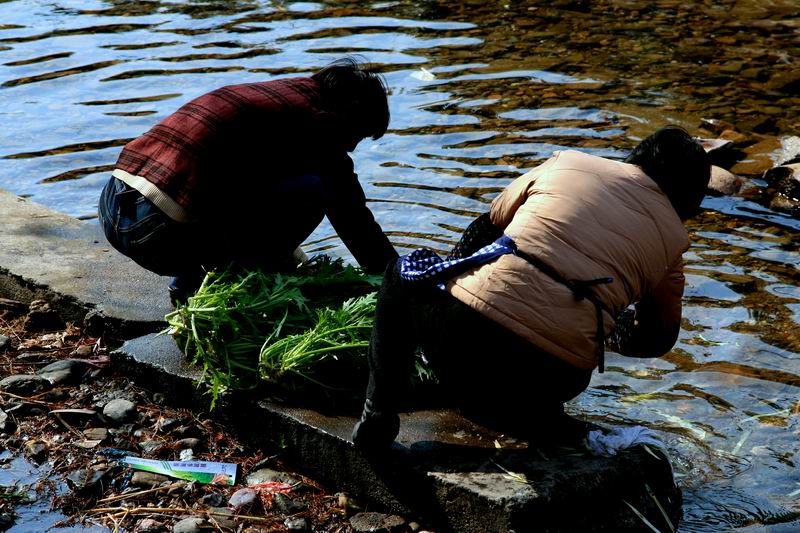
{"points": [[490, 372], [260, 231]]}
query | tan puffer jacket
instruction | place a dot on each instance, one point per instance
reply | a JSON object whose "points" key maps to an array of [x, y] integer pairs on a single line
{"points": [[586, 217]]}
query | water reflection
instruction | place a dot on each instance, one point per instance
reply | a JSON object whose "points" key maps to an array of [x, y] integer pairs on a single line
{"points": [[481, 92]]}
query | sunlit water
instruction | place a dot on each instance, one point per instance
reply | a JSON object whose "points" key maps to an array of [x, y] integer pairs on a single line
{"points": [[482, 91]]}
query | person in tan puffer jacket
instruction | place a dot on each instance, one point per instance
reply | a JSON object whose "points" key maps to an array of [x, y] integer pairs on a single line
{"points": [[512, 338]]}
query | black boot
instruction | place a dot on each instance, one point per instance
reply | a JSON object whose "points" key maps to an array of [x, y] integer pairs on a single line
{"points": [[376, 430]]}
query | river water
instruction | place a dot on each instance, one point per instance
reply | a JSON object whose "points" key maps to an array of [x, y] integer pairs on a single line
{"points": [[480, 92]]}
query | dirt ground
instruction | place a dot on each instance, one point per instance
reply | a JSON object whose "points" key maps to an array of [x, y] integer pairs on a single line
{"points": [[56, 395]]}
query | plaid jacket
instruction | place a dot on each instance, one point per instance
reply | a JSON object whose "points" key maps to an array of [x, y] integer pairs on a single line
{"points": [[214, 154]]}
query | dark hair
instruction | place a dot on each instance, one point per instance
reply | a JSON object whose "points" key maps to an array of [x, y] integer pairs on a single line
{"points": [[678, 164], [358, 92]]}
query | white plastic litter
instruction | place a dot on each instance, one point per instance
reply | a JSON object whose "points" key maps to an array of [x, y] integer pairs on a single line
{"points": [[620, 438]]}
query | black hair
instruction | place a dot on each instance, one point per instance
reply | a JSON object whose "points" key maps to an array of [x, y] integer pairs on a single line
{"points": [[358, 92], [678, 164]]}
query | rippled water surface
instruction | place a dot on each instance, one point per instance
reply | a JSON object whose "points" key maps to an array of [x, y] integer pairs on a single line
{"points": [[482, 91]]}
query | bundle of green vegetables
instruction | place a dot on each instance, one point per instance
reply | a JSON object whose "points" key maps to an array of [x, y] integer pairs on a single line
{"points": [[309, 328]]}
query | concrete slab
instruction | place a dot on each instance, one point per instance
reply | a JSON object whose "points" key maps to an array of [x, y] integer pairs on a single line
{"points": [[48, 255], [443, 468]]}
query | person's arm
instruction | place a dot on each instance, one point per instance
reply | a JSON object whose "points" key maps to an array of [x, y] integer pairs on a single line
{"points": [[354, 223], [658, 318]]}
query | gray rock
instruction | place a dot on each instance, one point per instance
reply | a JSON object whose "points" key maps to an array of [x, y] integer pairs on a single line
{"points": [[35, 450], [86, 479], [150, 447], [147, 479], [190, 443], [120, 410], [194, 524], [287, 505], [34, 357], [5, 343], [64, 371], [148, 525], [7, 424], [224, 517], [6, 521], [96, 433], [243, 499], [24, 384], [267, 475], [376, 522], [296, 524]]}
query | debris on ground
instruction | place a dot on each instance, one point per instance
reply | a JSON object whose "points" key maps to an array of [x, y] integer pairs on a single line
{"points": [[62, 405]]}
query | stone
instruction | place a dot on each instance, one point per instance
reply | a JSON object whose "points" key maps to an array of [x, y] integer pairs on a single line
{"points": [[6, 521], [193, 524], [147, 479], [148, 525], [296, 524], [7, 424], [267, 475], [42, 317], [190, 443], [86, 479], [224, 517], [376, 522], [13, 306], [120, 410], [24, 384], [35, 450], [150, 447], [83, 351], [287, 505], [34, 357], [5, 343], [215, 499], [727, 183], [243, 499]]}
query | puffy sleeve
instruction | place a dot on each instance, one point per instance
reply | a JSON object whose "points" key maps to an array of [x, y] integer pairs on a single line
{"points": [[515, 194]]}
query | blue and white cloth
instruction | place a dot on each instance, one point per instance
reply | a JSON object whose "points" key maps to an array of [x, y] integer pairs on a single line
{"points": [[425, 265]]}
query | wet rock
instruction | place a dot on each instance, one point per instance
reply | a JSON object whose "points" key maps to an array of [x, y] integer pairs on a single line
{"points": [[24, 384], [715, 125], [5, 343], [148, 525], [729, 184], [214, 499], [7, 424], [287, 505], [194, 524], [376, 522], [147, 479], [243, 499], [42, 317], [120, 410], [784, 185], [296, 524], [267, 475], [35, 450]]}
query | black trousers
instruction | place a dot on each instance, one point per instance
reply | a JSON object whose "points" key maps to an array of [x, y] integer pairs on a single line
{"points": [[488, 371]]}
